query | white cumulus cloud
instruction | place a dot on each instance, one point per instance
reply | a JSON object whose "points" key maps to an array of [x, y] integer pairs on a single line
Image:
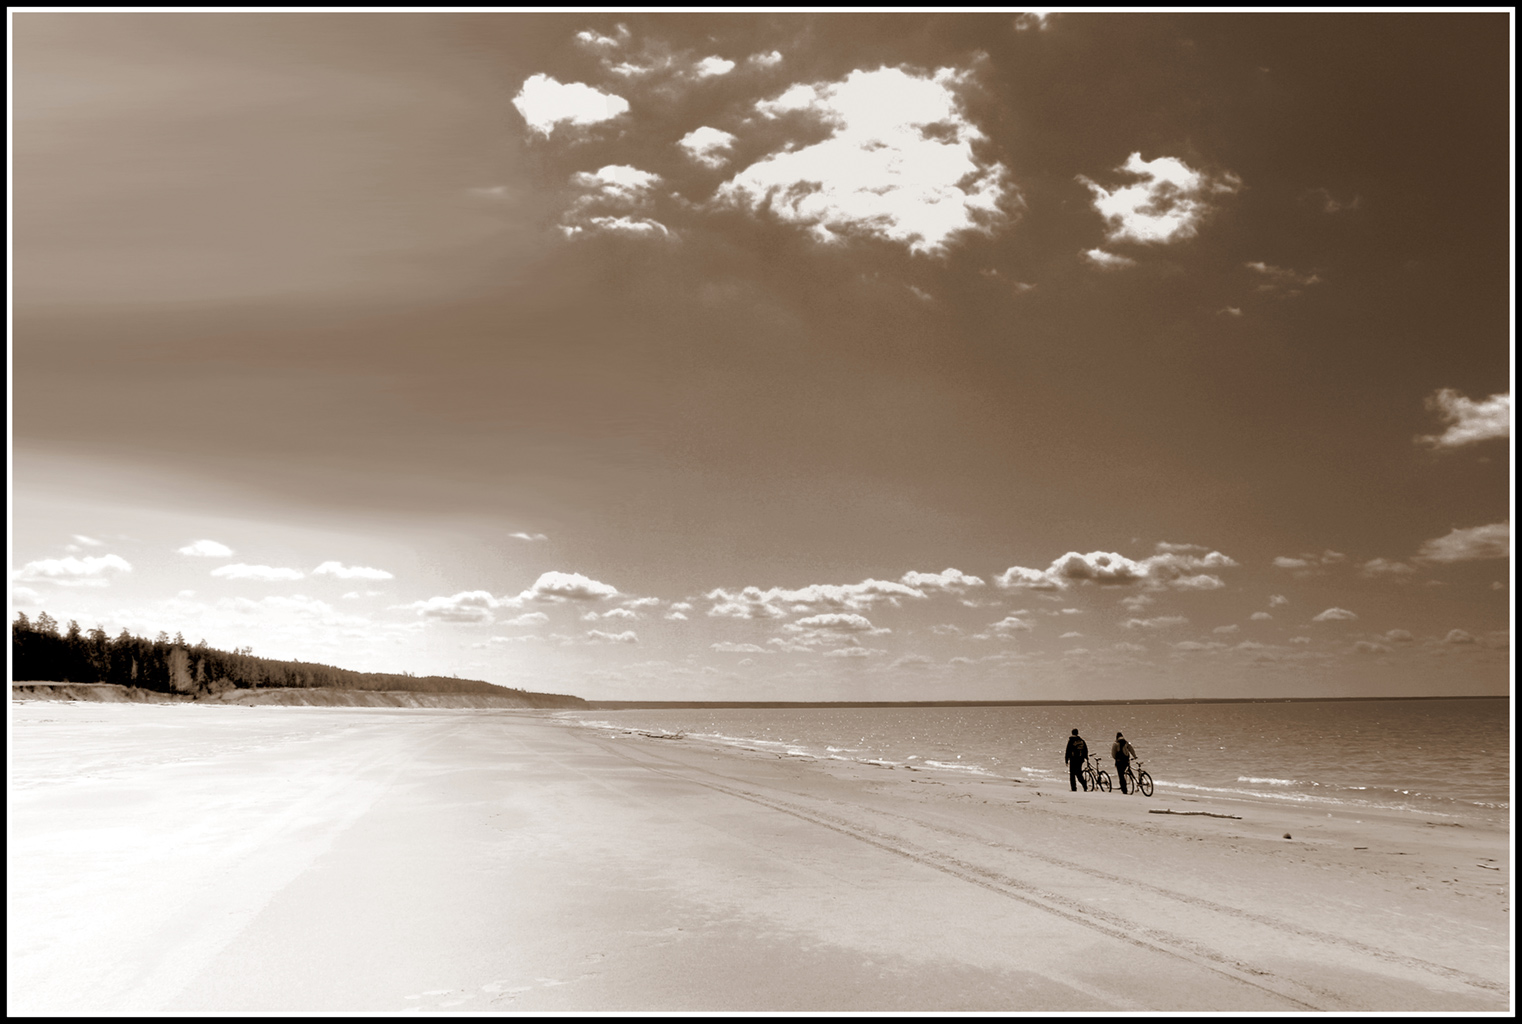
{"points": [[242, 571], [567, 586], [206, 549], [614, 199], [1175, 565], [90, 571], [350, 572], [1334, 614], [1107, 260], [546, 104], [898, 165], [1165, 204], [954, 580], [466, 606], [708, 146], [1468, 545], [1468, 421], [708, 67]]}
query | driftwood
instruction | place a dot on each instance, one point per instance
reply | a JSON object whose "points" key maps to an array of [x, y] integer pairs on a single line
{"points": [[1206, 814]]}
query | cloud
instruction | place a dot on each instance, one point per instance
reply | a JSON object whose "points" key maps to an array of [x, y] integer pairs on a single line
{"points": [[676, 616], [1468, 545], [1107, 260], [725, 647], [1167, 203], [1174, 567], [90, 571], [1279, 280], [1299, 639], [610, 200], [1330, 204], [1310, 564], [1260, 616], [1468, 421], [854, 652], [466, 606], [617, 613], [1128, 648], [834, 623], [765, 60], [588, 37], [1275, 600], [1384, 568], [953, 580], [526, 619], [528, 536], [898, 164], [1010, 624], [755, 603], [597, 636], [1458, 636], [914, 661], [566, 586], [1038, 20], [1399, 636], [1334, 614], [350, 572], [711, 66], [1160, 622], [1224, 629], [206, 549], [1229, 311], [1194, 645], [546, 104], [91, 542], [1368, 647], [241, 571], [708, 146]]}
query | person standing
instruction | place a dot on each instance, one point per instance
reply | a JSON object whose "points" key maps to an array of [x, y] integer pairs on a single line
{"points": [[1077, 753], [1122, 752]]}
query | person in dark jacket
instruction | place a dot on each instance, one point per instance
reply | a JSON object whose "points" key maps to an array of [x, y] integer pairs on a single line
{"points": [[1122, 751], [1077, 753]]}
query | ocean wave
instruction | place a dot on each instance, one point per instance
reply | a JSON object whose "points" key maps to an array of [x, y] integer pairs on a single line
{"points": [[1274, 782], [971, 769]]}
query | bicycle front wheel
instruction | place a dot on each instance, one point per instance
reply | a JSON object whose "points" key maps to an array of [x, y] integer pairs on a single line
{"points": [[1104, 781], [1144, 783]]}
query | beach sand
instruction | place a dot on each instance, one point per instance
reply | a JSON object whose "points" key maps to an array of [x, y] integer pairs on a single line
{"points": [[178, 858]]}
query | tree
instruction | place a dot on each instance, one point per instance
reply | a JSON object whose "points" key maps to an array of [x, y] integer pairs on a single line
{"points": [[47, 624]]}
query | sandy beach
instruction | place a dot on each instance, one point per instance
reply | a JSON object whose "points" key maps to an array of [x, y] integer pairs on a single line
{"points": [[180, 858]]}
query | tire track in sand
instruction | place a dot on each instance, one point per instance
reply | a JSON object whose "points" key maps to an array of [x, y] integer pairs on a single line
{"points": [[1111, 925]]}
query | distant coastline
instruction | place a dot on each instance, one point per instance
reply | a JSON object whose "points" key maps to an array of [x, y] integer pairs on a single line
{"points": [[633, 705]]}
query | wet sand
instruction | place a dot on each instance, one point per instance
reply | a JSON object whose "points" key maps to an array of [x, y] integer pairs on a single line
{"points": [[180, 858]]}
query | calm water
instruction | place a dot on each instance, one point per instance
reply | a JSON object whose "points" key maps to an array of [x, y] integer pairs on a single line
{"points": [[1447, 758]]}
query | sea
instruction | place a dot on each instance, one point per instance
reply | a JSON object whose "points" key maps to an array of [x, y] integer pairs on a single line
{"points": [[1447, 760]]}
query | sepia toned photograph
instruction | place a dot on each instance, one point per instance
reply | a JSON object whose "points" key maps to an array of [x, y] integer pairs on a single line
{"points": [[760, 512]]}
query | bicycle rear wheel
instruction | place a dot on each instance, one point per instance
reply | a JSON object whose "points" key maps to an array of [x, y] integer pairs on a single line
{"points": [[1104, 781], [1144, 782]]}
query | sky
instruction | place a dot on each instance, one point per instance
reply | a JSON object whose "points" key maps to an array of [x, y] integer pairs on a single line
{"points": [[774, 356]]}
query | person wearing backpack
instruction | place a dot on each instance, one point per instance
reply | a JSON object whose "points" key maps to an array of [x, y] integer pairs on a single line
{"points": [[1122, 752], [1077, 753]]}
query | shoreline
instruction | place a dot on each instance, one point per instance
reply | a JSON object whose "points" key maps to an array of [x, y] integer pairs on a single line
{"points": [[387, 859]]}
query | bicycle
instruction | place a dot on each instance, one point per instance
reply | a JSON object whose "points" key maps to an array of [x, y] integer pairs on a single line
{"points": [[1139, 779], [1094, 777]]}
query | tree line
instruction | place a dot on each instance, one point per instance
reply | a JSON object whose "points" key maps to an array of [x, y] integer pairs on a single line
{"points": [[43, 652]]}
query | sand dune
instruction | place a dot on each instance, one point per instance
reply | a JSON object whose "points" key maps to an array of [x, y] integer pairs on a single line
{"points": [[188, 858]]}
